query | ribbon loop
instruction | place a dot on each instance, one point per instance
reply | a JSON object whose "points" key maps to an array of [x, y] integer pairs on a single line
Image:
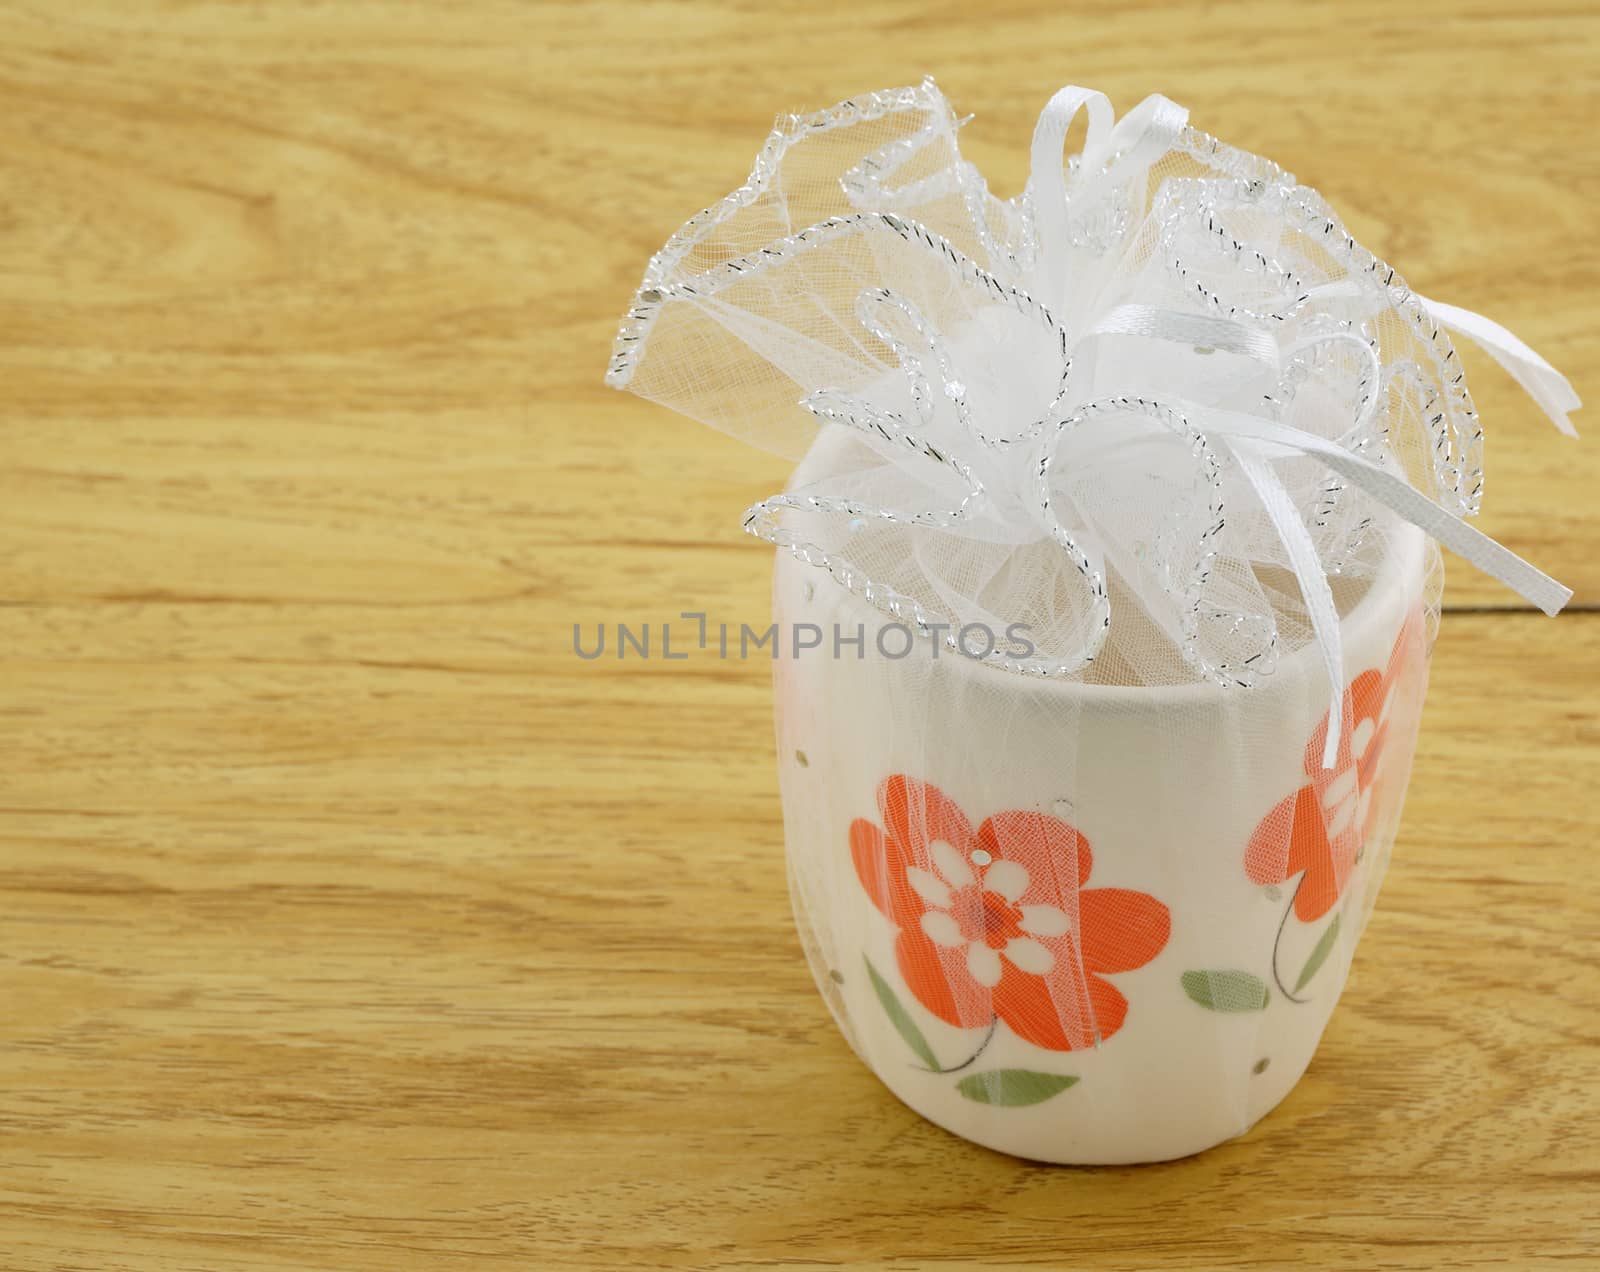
{"points": [[1139, 138], [1047, 180]]}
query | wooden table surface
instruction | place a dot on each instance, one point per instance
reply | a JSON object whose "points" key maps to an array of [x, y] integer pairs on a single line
{"points": [[348, 921]]}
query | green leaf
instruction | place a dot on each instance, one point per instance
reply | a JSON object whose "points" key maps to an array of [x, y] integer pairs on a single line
{"points": [[1013, 1087], [1319, 954], [1226, 990], [900, 1018]]}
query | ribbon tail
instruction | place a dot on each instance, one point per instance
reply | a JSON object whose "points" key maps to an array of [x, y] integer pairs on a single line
{"points": [[1477, 548], [1313, 580], [1541, 381], [1404, 499]]}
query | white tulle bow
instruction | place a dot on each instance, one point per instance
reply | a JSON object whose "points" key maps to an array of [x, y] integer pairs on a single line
{"points": [[1166, 358]]}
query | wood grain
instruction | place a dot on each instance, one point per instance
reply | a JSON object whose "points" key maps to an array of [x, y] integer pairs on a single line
{"points": [[348, 921]]}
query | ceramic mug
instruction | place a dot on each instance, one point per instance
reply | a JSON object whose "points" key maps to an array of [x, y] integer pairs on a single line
{"points": [[1088, 923]]}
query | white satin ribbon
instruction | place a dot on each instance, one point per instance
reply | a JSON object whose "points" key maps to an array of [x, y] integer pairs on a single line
{"points": [[1308, 572], [1255, 441], [1541, 381], [1473, 546], [1551, 392], [1201, 330]]}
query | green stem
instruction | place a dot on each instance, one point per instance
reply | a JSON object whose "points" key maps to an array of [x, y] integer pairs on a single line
{"points": [[1282, 923], [956, 1068]]}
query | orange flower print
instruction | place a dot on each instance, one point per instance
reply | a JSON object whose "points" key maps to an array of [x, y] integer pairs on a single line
{"points": [[997, 923], [1319, 830]]}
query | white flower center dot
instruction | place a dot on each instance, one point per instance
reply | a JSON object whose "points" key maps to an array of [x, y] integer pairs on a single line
{"points": [[980, 857]]}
